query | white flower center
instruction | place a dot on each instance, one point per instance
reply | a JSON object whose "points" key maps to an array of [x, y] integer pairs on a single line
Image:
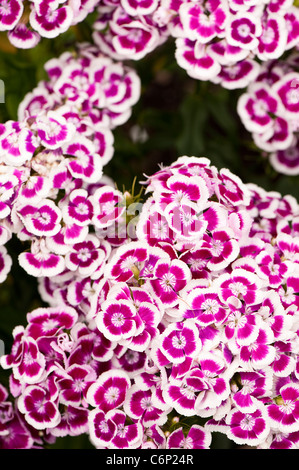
{"points": [[78, 385], [82, 208], [238, 288], [50, 324], [244, 30], [168, 282], [179, 341], [118, 319], [247, 423], [111, 395], [160, 229], [287, 407], [217, 248], [187, 391], [84, 254], [210, 306]]}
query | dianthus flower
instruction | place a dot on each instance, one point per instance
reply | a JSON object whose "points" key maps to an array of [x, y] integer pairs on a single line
{"points": [[52, 160], [27, 22], [269, 110], [201, 327], [223, 41]]}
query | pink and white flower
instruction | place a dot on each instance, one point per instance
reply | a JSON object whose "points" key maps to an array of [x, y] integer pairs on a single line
{"points": [[78, 209], [109, 391], [242, 284], [39, 410], [119, 320], [49, 21], [85, 257], [203, 23], [10, 13], [108, 206], [141, 405], [42, 219], [194, 57], [73, 385], [243, 30], [251, 428], [256, 107], [53, 130], [180, 341], [197, 438], [169, 278], [127, 261], [261, 352], [22, 37], [285, 88], [283, 412]]}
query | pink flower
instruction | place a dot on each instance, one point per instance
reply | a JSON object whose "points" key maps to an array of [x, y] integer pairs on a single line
{"points": [[50, 22], [243, 30], [283, 413], [251, 428], [41, 219], [203, 24], [169, 277], [180, 341], [197, 438], [39, 410], [194, 57], [109, 390], [10, 13]]}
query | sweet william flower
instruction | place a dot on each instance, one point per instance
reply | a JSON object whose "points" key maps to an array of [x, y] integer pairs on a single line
{"points": [[204, 306], [74, 422], [112, 431], [110, 358], [101, 429], [127, 261], [118, 320], [10, 13], [39, 411], [49, 21], [194, 57], [240, 284], [41, 219], [108, 392], [261, 353], [73, 387], [197, 438], [180, 340], [203, 23], [283, 412], [251, 428], [169, 278], [141, 405]]}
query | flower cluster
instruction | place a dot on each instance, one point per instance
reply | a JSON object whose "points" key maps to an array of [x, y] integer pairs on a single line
{"points": [[269, 109], [26, 22], [193, 316], [52, 161], [219, 40]]}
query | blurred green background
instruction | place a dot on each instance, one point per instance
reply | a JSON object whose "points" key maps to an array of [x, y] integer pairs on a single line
{"points": [[177, 115]]}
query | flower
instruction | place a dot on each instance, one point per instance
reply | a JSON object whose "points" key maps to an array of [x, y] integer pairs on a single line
{"points": [[268, 110], [202, 325], [222, 41], [283, 412], [197, 438], [46, 19]]}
